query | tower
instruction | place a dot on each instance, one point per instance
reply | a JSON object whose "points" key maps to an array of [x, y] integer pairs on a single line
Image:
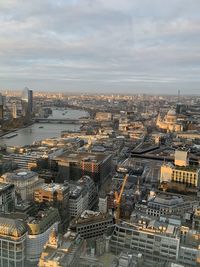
{"points": [[14, 110], [27, 102], [179, 92], [1, 107]]}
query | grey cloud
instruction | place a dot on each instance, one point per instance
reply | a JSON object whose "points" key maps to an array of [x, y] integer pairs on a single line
{"points": [[100, 44]]}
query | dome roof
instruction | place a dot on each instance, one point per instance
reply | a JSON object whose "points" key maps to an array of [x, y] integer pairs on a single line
{"points": [[12, 227], [171, 112]]}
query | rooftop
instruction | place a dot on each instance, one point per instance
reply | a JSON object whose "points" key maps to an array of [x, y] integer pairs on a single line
{"points": [[153, 226], [90, 216], [12, 227], [168, 200], [4, 186], [82, 156], [20, 174], [53, 187]]}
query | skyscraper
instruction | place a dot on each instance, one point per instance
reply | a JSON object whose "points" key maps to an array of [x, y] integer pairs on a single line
{"points": [[1, 107], [27, 102], [14, 110]]}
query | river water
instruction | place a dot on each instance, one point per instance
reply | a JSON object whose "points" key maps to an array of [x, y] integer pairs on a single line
{"points": [[28, 135]]}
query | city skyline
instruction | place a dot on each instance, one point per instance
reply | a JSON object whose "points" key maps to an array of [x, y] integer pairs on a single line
{"points": [[100, 46]]}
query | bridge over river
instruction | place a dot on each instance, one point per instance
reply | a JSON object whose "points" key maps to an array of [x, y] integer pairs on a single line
{"points": [[64, 121]]}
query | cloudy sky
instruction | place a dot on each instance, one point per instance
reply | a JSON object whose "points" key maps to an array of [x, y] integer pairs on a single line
{"points": [[130, 46]]}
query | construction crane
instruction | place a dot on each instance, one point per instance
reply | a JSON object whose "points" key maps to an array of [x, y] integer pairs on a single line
{"points": [[118, 198]]}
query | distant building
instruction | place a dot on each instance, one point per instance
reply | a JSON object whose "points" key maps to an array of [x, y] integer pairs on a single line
{"points": [[7, 198], [170, 122], [14, 110], [181, 158], [180, 173], [103, 116], [1, 107], [25, 182], [27, 102]]}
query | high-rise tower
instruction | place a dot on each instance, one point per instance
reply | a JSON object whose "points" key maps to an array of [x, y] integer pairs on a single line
{"points": [[27, 102], [1, 107]]}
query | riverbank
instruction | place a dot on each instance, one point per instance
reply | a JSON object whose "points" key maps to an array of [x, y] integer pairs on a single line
{"points": [[15, 130], [28, 134]]}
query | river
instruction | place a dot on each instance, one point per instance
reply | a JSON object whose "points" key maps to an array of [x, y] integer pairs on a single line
{"points": [[28, 135]]}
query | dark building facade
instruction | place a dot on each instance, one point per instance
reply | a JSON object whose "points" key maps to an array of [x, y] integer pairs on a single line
{"points": [[7, 198], [72, 166]]}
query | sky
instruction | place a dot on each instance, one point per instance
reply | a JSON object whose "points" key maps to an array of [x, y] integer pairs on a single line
{"points": [[103, 46]]}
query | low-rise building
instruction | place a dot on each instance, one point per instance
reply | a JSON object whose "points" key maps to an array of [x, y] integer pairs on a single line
{"points": [[56, 195], [155, 240], [91, 224], [61, 252], [165, 204]]}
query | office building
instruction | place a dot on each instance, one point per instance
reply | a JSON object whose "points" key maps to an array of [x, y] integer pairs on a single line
{"points": [[83, 196], [91, 224], [89, 187], [180, 173], [155, 240], [27, 102], [187, 176], [62, 251], [56, 195], [25, 182], [76, 200], [13, 234], [7, 198], [165, 204], [72, 166], [40, 225]]}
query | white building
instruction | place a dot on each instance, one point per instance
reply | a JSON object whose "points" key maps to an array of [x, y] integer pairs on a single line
{"points": [[25, 182], [83, 195]]}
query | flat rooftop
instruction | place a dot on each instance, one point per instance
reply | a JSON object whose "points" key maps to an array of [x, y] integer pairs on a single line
{"points": [[4, 186], [82, 156], [53, 187], [89, 216]]}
